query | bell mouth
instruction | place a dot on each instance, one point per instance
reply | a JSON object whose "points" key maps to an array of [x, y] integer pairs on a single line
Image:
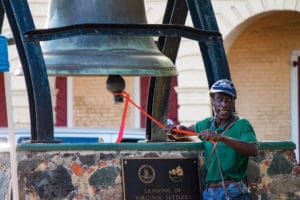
{"points": [[89, 63]]}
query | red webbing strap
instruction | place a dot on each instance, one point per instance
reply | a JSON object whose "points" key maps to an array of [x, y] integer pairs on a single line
{"points": [[146, 114], [192, 133], [122, 125], [129, 100]]}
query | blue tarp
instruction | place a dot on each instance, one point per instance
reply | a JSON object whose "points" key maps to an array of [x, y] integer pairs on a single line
{"points": [[4, 63]]}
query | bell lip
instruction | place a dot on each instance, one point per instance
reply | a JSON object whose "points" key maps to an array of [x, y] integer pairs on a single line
{"points": [[125, 72], [51, 71], [133, 64]]}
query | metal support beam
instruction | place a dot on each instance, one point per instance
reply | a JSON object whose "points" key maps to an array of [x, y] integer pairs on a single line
{"points": [[160, 87], [20, 20], [170, 30], [213, 54], [1, 16], [25, 71]]}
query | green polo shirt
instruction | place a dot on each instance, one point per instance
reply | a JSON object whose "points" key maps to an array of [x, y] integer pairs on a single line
{"points": [[234, 165]]}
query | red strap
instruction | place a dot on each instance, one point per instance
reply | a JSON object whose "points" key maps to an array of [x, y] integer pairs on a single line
{"points": [[192, 133], [146, 114], [122, 126], [129, 100]]}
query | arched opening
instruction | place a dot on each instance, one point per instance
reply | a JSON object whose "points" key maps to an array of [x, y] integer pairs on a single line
{"points": [[260, 64]]}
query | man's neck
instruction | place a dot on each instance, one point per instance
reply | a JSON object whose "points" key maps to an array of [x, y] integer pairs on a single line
{"points": [[224, 122]]}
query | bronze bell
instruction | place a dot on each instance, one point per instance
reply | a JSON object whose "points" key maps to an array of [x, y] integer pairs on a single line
{"points": [[102, 54]]}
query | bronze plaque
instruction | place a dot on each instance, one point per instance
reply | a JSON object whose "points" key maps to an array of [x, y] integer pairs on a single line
{"points": [[160, 179]]}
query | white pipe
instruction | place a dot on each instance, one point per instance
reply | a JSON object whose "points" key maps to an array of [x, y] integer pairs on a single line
{"points": [[69, 102], [11, 137], [294, 99], [137, 97]]}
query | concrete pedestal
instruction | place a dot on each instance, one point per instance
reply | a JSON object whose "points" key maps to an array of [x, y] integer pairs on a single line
{"points": [[94, 171]]}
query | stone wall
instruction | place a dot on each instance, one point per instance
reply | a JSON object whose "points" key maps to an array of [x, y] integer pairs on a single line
{"points": [[84, 172], [93, 171], [5, 175], [273, 174]]}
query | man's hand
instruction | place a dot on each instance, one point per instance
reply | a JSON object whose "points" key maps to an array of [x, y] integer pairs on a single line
{"points": [[176, 135], [209, 135], [169, 129], [243, 147]]}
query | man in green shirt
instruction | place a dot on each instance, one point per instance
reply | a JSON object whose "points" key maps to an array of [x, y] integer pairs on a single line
{"points": [[228, 141]]}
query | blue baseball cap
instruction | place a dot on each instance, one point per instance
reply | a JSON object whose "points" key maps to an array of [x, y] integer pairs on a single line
{"points": [[225, 86]]}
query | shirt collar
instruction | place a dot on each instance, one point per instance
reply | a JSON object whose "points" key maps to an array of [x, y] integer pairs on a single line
{"points": [[213, 124]]}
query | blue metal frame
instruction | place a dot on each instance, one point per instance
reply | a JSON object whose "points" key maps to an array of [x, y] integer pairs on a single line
{"points": [[30, 53], [27, 77], [214, 56], [175, 13], [28, 38], [170, 30]]}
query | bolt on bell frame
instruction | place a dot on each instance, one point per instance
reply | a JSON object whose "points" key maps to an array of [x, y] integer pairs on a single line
{"points": [[27, 39]]}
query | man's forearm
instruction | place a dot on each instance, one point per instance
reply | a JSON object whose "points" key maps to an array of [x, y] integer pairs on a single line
{"points": [[245, 148]]}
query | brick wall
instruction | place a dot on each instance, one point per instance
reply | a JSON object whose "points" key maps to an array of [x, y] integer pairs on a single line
{"points": [[260, 67], [93, 105]]}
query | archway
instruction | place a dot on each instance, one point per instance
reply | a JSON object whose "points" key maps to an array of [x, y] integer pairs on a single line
{"points": [[259, 61]]}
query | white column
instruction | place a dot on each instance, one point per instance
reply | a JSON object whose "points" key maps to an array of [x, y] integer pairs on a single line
{"points": [[294, 99], [192, 90]]}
